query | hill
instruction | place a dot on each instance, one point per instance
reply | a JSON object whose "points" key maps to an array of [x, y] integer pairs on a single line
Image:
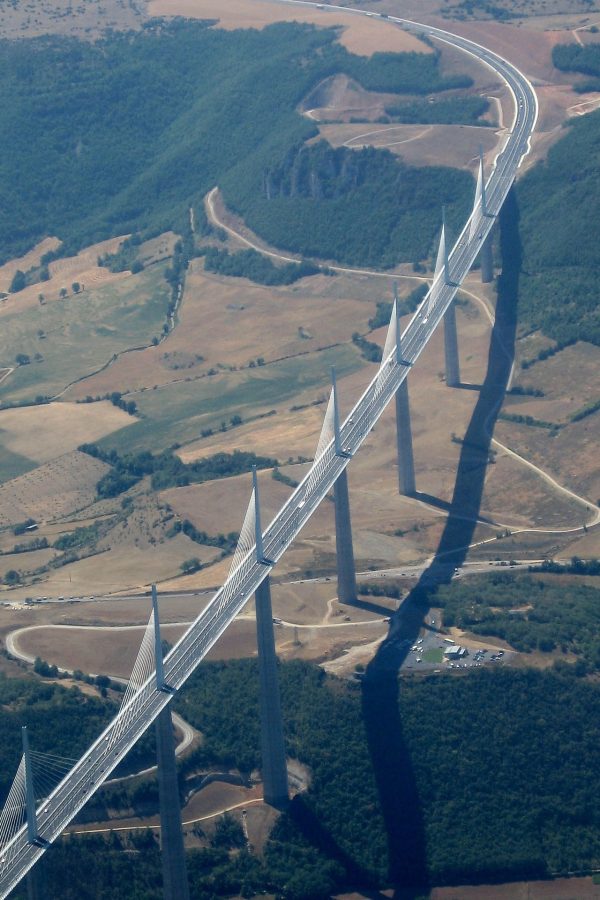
{"points": [[558, 201], [103, 138]]}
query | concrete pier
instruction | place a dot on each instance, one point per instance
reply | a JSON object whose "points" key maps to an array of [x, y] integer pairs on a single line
{"points": [[346, 574], [406, 463], [274, 770], [175, 881], [451, 347], [486, 259]]}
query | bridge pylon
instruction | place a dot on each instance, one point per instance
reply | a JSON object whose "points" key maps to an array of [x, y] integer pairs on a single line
{"points": [[486, 256], [274, 768], [174, 870], [442, 262]]}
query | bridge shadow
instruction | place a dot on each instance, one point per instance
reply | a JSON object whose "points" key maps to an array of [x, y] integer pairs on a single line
{"points": [[390, 754]]}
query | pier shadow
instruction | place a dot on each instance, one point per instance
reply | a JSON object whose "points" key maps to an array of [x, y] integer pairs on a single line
{"points": [[390, 755], [377, 609]]}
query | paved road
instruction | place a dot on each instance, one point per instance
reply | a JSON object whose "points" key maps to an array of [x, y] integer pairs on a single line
{"points": [[108, 750]]}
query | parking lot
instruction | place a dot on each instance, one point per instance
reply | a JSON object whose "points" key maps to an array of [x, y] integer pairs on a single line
{"points": [[428, 653]]}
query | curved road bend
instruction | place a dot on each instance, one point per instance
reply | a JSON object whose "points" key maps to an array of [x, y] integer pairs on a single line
{"points": [[95, 766]]}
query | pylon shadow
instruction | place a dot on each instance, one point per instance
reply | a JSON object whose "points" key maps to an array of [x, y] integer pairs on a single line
{"points": [[390, 755]]}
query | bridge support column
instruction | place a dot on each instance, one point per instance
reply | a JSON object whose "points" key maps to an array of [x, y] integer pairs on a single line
{"points": [[175, 881], [486, 260], [406, 463], [274, 769], [451, 347], [346, 574]]}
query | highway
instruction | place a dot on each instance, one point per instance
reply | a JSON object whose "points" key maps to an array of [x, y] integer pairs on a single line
{"points": [[95, 766]]}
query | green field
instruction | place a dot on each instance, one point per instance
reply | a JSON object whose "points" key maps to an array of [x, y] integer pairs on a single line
{"points": [[435, 655], [81, 333], [177, 412]]}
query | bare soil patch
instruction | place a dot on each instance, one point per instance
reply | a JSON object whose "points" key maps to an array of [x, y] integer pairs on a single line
{"points": [[429, 145], [361, 35], [51, 491], [342, 98], [107, 652]]}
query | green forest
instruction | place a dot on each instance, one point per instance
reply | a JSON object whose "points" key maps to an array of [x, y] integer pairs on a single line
{"points": [[255, 266], [443, 111], [583, 58], [59, 720], [558, 201], [167, 469], [501, 748], [502, 769], [360, 207], [530, 613], [104, 136]]}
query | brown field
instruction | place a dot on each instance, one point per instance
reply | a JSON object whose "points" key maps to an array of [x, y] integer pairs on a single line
{"points": [[557, 889], [55, 489], [122, 568], [377, 510], [27, 261], [209, 803], [109, 652], [64, 426], [82, 268], [229, 321], [360, 35], [450, 145], [319, 628]]}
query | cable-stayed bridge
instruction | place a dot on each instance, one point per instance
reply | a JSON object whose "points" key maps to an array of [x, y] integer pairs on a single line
{"points": [[26, 831]]}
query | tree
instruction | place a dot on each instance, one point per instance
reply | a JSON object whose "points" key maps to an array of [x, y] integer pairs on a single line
{"points": [[18, 282], [22, 359], [12, 577], [75, 287], [190, 565], [63, 293]]}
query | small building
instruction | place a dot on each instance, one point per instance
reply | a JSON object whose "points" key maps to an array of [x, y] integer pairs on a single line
{"points": [[455, 652]]}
